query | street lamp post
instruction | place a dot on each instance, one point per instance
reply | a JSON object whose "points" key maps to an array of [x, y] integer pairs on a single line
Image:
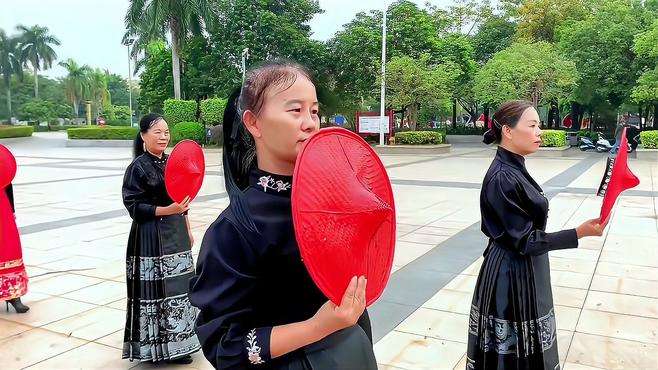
{"points": [[382, 104], [130, 90]]}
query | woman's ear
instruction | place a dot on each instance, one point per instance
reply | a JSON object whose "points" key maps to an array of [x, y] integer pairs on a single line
{"points": [[506, 131], [251, 123]]}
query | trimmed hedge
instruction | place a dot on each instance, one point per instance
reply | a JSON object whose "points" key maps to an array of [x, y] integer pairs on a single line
{"points": [[589, 134], [188, 130], [419, 138], [212, 111], [553, 138], [102, 133], [465, 130], [15, 131], [176, 111], [649, 139]]}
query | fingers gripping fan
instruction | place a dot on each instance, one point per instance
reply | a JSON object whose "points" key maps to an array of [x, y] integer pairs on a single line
{"points": [[343, 213], [184, 171], [7, 167], [617, 178]]}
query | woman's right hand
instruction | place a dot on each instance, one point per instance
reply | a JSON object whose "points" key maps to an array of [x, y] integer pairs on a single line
{"points": [[590, 228], [331, 318], [179, 208]]}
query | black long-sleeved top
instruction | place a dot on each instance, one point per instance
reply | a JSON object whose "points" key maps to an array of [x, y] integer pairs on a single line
{"points": [[9, 190], [249, 282], [514, 209]]}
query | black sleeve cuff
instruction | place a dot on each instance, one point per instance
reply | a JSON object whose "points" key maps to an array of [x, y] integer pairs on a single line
{"points": [[565, 239], [257, 346]]}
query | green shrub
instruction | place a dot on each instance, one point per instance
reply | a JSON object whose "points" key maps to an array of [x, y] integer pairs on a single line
{"points": [[176, 111], [465, 130], [588, 134], [649, 139], [15, 131], [553, 138], [212, 111], [188, 130], [61, 127], [102, 133], [419, 138], [117, 122]]}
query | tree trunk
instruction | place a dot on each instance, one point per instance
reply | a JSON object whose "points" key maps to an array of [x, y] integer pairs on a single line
{"points": [[639, 113], [36, 81], [486, 117], [175, 56], [550, 118], [454, 113], [655, 116], [9, 103], [75, 108]]}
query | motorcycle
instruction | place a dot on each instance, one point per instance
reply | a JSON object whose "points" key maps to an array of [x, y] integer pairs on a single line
{"points": [[602, 144], [586, 144]]}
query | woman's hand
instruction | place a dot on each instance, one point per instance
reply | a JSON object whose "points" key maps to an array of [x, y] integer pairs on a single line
{"points": [[590, 228], [189, 232], [178, 208], [331, 318]]}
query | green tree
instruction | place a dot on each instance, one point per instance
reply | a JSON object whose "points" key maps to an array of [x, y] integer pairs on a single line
{"points": [[601, 45], [117, 86], [269, 29], [535, 72], [98, 91], [539, 19], [76, 83], [156, 81], [36, 47], [646, 90], [148, 20], [414, 83], [10, 64], [494, 35]]}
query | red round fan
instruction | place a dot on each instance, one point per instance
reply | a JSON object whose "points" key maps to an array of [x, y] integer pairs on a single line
{"points": [[184, 171], [343, 213], [7, 167]]}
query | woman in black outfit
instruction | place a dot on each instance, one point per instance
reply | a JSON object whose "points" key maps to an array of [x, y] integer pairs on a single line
{"points": [[512, 320], [259, 306], [159, 318]]}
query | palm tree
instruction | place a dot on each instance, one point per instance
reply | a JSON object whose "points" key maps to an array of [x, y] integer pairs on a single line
{"points": [[76, 82], [149, 20], [36, 48], [98, 92], [10, 63]]}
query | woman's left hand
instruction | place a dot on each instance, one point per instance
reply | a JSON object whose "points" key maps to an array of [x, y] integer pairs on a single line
{"points": [[189, 232]]}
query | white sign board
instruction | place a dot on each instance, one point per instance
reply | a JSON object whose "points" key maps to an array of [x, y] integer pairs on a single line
{"points": [[370, 124]]}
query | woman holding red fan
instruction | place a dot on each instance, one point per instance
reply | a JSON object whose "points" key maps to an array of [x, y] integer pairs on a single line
{"points": [[512, 320], [160, 318], [259, 306]]}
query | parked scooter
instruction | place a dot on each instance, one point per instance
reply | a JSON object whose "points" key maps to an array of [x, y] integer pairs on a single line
{"points": [[586, 144], [602, 144]]}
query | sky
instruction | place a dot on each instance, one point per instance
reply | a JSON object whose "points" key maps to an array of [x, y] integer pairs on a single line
{"points": [[90, 31]]}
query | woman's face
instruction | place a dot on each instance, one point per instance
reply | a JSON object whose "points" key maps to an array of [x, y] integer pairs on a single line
{"points": [[156, 138], [286, 120], [525, 137]]}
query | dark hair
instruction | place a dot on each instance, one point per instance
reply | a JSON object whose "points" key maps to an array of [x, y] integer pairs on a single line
{"points": [[507, 114], [145, 124], [239, 149]]}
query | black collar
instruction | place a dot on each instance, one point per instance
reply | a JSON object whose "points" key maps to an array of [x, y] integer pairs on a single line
{"points": [[510, 158], [270, 182], [155, 158]]}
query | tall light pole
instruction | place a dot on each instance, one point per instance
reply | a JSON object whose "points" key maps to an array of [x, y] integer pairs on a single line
{"points": [[130, 88], [382, 106], [245, 55]]}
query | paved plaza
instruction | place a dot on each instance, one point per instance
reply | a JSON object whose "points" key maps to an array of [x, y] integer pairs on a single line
{"points": [[74, 230]]}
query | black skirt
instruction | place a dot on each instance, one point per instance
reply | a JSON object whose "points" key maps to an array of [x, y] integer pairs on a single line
{"points": [[512, 319], [159, 317]]}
